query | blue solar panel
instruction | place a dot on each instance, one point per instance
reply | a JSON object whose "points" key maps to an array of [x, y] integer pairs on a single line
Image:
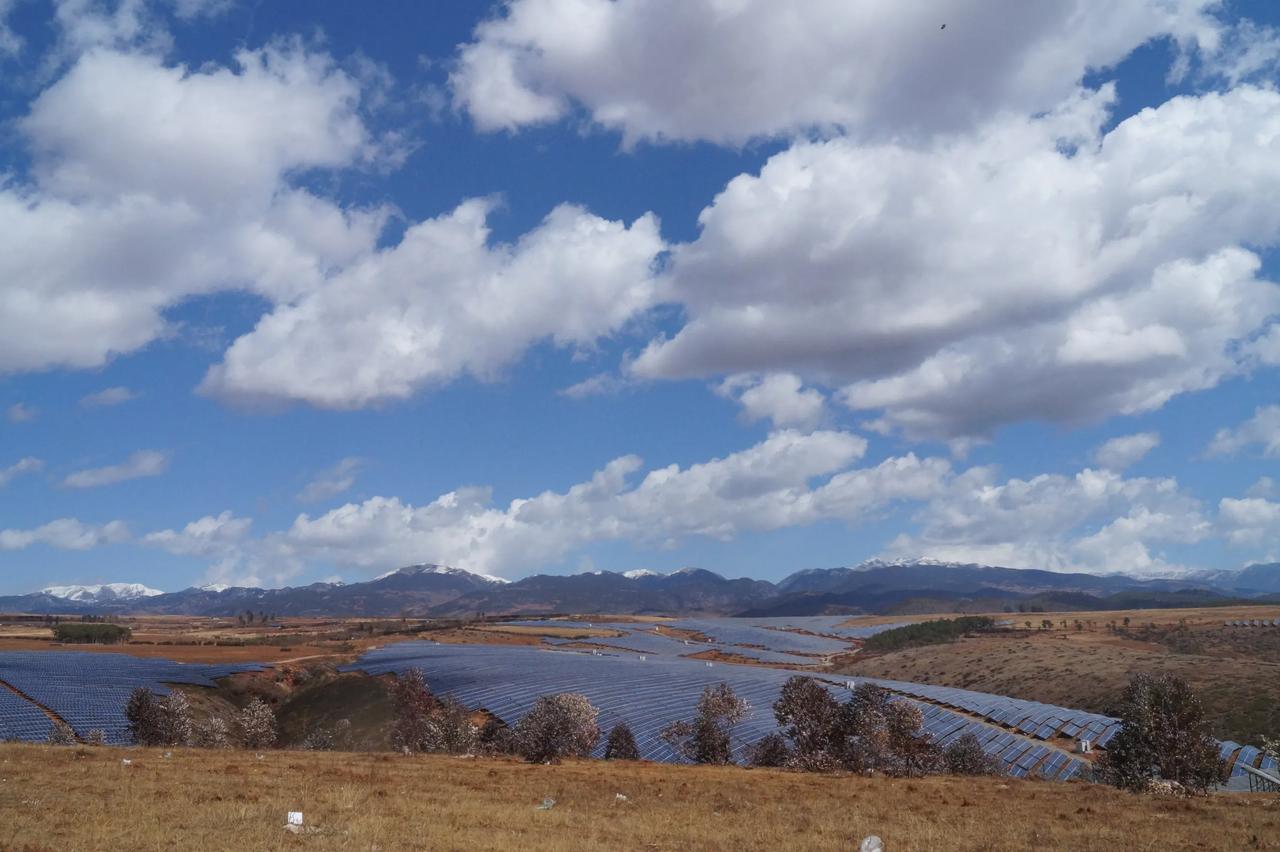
{"points": [[1247, 756], [89, 690]]}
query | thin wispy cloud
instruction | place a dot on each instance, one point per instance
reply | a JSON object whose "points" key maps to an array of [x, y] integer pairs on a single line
{"points": [[141, 464], [24, 465], [332, 481], [20, 412], [109, 397]]}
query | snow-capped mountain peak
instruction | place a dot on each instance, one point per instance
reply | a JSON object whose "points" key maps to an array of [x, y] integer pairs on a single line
{"points": [[640, 572], [430, 568], [102, 592]]}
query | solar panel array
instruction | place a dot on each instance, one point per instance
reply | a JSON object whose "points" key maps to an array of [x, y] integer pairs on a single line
{"points": [[89, 690], [22, 720], [1032, 718], [646, 638], [736, 631], [649, 694]]}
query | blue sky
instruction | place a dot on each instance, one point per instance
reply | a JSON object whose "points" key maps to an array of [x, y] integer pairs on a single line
{"points": [[289, 291]]}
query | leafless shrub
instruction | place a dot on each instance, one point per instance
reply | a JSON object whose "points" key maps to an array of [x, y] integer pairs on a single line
{"points": [[61, 734], [211, 732], [413, 702], [965, 756], [770, 750]]}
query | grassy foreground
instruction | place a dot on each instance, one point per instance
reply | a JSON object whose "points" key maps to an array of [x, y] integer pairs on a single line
{"points": [[86, 799]]}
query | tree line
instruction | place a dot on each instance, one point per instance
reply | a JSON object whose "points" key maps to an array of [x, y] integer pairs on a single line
{"points": [[1164, 742]]}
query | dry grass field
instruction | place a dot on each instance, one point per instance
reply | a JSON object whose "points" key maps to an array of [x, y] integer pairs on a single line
{"points": [[70, 799], [1236, 671]]}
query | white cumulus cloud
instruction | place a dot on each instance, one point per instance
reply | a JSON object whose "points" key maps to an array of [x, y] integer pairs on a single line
{"points": [[731, 71], [1033, 269], [65, 534], [780, 398], [442, 303], [1126, 450], [1262, 431]]}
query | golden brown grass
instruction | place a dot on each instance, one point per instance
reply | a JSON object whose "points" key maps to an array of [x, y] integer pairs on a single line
{"points": [[1088, 670], [85, 799]]}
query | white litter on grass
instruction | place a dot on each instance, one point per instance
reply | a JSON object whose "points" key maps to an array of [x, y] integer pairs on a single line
{"points": [[871, 844], [126, 761], [547, 804], [618, 798]]}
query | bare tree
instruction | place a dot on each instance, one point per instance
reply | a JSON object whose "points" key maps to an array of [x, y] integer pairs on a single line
{"points": [[708, 738], [449, 729], [143, 713], [175, 719], [413, 702], [1164, 736], [810, 718], [257, 724], [557, 726], [621, 744]]}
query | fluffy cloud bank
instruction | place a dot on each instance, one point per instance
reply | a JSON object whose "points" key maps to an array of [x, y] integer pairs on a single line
{"points": [[1036, 268], [1095, 521], [65, 534], [152, 184], [442, 303], [731, 71]]}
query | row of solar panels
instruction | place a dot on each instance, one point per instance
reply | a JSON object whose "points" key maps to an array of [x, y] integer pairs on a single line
{"points": [[652, 693], [1032, 718], [89, 690], [652, 639], [1239, 756], [1256, 622]]}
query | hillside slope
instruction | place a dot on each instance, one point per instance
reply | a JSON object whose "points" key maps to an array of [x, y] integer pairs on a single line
{"points": [[86, 799]]}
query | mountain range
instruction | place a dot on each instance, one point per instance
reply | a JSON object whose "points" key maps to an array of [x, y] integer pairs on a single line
{"points": [[875, 586]]}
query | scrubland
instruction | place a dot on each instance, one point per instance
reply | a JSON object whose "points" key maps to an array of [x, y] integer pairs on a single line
{"points": [[88, 799]]}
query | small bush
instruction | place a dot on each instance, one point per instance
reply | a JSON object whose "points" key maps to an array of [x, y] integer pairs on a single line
{"points": [[557, 726], [96, 737], [621, 744], [770, 750], [965, 757]]}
